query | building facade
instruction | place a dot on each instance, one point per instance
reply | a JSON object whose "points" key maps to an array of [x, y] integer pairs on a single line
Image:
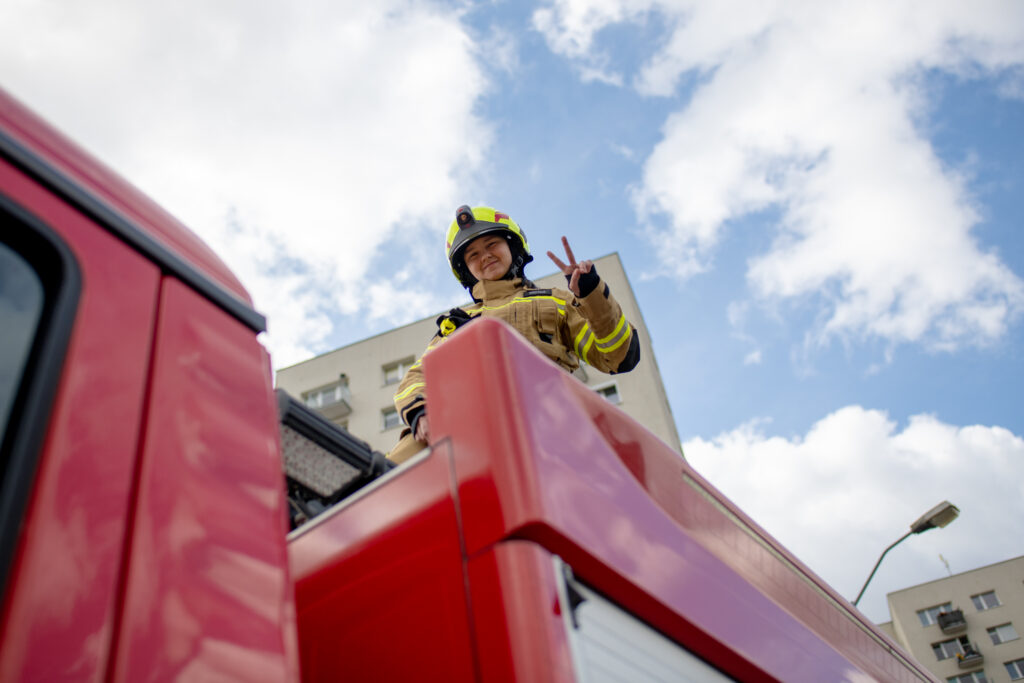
{"points": [[353, 386], [965, 628]]}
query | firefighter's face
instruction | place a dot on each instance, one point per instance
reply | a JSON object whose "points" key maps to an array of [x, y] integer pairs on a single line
{"points": [[488, 257]]}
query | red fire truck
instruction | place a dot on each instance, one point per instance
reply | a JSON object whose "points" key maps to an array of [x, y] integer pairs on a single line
{"points": [[150, 473]]}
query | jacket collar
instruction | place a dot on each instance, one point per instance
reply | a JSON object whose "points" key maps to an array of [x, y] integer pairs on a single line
{"points": [[486, 290]]}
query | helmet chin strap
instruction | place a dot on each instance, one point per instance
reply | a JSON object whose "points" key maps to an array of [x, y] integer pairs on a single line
{"points": [[519, 261], [514, 270]]}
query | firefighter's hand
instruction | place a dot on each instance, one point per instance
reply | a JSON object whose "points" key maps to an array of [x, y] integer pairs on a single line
{"points": [[571, 270], [423, 429]]}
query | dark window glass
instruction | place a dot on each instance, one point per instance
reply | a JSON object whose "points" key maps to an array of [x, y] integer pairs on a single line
{"points": [[984, 601], [39, 288], [21, 307], [930, 616], [973, 677], [949, 648]]}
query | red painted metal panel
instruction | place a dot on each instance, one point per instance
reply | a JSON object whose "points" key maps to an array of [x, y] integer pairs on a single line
{"points": [[539, 456], [61, 596], [208, 595], [517, 619], [380, 584]]}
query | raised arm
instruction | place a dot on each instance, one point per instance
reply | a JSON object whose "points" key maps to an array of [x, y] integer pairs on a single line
{"points": [[598, 331]]}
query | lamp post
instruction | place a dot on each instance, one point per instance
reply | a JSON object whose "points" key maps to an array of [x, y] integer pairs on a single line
{"points": [[938, 517]]}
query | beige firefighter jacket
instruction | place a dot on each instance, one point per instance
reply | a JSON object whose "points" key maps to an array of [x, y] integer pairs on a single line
{"points": [[564, 327]]}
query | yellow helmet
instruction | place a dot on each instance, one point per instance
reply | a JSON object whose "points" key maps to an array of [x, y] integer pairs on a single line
{"points": [[481, 220]]}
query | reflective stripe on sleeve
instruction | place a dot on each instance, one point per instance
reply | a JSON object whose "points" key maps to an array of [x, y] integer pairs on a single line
{"points": [[409, 390], [623, 331], [618, 328], [579, 345]]}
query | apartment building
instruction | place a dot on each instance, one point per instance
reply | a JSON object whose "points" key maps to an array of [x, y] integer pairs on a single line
{"points": [[353, 386], [965, 628]]}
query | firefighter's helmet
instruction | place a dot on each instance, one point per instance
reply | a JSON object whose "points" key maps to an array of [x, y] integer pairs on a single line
{"points": [[471, 223]]}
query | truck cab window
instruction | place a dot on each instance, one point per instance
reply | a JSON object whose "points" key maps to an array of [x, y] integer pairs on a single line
{"points": [[40, 283], [21, 307]]}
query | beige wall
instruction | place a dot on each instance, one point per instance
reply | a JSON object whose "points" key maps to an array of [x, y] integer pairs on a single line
{"points": [[642, 392], [1005, 578]]}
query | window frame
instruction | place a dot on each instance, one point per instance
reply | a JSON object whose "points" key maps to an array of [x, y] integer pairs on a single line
{"points": [[969, 677], [340, 394], [960, 642], [61, 277], [384, 413], [609, 385], [980, 598], [993, 633], [402, 366], [933, 613], [1017, 664]]}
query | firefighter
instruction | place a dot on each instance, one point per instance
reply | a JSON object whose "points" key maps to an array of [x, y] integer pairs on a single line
{"points": [[487, 252]]}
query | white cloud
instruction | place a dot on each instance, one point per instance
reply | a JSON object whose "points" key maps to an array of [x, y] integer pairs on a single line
{"points": [[569, 27], [817, 109], [753, 358], [852, 485], [308, 133]]}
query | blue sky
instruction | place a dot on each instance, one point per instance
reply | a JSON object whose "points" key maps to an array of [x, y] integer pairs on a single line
{"points": [[817, 204]]}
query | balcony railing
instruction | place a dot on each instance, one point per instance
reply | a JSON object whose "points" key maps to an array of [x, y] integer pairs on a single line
{"points": [[970, 658], [333, 402], [337, 405], [952, 622]]}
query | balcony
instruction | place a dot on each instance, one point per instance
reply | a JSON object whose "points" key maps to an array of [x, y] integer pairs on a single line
{"points": [[952, 622], [339, 408], [970, 658], [333, 402]]}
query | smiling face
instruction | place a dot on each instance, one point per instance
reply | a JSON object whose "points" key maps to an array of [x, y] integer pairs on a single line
{"points": [[488, 257]]}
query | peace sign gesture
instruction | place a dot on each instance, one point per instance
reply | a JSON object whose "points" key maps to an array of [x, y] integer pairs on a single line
{"points": [[572, 270]]}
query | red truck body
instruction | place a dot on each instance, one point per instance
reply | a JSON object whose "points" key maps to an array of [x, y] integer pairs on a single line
{"points": [[144, 512]]}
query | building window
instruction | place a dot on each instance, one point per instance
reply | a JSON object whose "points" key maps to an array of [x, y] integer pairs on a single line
{"points": [[930, 616], [949, 648], [394, 372], [390, 418], [973, 677], [1015, 669], [329, 395], [1002, 634], [984, 601], [610, 392]]}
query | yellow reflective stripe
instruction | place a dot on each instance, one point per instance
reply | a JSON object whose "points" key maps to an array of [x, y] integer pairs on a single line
{"points": [[618, 328], [578, 342], [409, 390], [579, 337], [525, 300], [623, 333], [609, 349], [586, 349], [419, 361]]}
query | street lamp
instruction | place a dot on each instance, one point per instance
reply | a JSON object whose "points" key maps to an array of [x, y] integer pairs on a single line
{"points": [[939, 516]]}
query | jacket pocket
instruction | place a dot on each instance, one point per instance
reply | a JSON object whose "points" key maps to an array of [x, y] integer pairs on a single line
{"points": [[546, 315], [546, 320]]}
